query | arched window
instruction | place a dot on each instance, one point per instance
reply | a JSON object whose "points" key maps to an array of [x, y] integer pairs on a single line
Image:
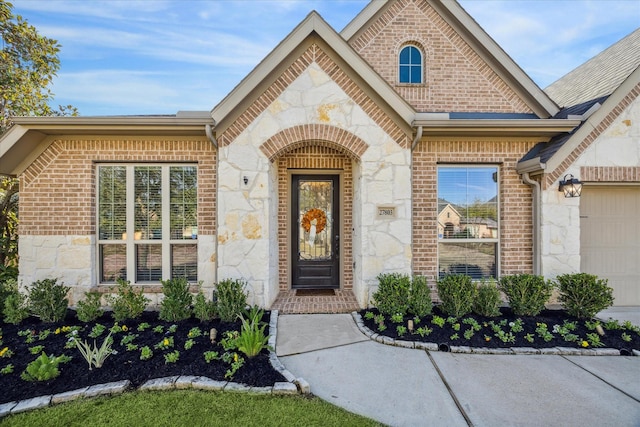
{"points": [[410, 65]]}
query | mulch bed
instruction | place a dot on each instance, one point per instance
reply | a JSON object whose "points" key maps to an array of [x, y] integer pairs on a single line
{"points": [[486, 336], [124, 364]]}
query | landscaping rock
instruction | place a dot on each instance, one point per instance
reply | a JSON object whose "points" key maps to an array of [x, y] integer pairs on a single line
{"points": [[5, 408], [303, 386], [204, 383], [231, 386], [525, 350], [108, 388], [283, 388], [167, 383], [185, 381], [29, 404], [68, 396]]}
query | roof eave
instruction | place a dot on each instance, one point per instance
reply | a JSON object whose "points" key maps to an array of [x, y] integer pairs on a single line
{"points": [[504, 127]]}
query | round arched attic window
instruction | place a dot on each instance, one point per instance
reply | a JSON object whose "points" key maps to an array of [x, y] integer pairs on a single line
{"points": [[410, 65]]}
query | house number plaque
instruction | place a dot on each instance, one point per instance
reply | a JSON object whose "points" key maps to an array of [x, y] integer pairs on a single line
{"points": [[386, 212]]}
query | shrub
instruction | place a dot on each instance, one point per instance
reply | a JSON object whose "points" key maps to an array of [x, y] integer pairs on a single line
{"points": [[392, 296], [127, 303], [487, 301], [230, 299], [7, 287], [457, 293], [203, 309], [16, 307], [583, 295], [176, 304], [420, 303], [48, 300], [90, 308], [527, 293]]}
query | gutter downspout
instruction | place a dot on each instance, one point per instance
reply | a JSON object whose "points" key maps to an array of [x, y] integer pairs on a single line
{"points": [[209, 133], [417, 138], [536, 213]]}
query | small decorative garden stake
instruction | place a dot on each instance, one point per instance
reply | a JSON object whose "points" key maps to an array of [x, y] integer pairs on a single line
{"points": [[599, 330], [213, 333], [410, 325]]}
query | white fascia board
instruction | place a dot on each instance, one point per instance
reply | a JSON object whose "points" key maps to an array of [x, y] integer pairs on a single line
{"points": [[313, 23], [594, 120], [531, 127]]}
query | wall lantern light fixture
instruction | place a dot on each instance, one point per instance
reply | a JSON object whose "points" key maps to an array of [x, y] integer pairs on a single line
{"points": [[245, 179], [570, 186]]}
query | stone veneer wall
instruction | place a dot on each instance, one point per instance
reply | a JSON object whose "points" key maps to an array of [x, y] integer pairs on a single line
{"points": [[315, 97], [58, 205], [515, 248], [315, 157], [618, 134], [455, 77]]}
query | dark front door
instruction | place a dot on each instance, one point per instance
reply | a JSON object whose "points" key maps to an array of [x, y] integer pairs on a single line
{"points": [[315, 244]]}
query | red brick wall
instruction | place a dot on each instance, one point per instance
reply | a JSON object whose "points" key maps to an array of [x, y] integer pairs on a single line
{"points": [[57, 192], [455, 77], [516, 226]]}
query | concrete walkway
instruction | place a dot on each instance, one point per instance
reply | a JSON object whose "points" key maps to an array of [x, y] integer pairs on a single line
{"points": [[407, 387]]}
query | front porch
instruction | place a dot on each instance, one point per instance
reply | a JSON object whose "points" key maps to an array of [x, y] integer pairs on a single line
{"points": [[315, 301]]}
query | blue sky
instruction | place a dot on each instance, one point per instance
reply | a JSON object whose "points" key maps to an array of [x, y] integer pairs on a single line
{"points": [[159, 57]]}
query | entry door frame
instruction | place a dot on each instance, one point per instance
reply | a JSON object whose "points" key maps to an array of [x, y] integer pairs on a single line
{"points": [[292, 222]]}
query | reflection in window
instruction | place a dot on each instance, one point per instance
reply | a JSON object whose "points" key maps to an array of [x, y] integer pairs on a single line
{"points": [[410, 65], [468, 226]]}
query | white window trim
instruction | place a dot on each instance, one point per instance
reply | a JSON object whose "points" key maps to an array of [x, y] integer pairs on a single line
{"points": [[130, 241], [477, 240]]}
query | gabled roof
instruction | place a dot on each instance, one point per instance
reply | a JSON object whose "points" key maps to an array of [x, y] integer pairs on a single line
{"points": [[600, 75], [313, 24], [501, 63]]}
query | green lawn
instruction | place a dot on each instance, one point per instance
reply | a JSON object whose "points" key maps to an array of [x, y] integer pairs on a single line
{"points": [[190, 408]]}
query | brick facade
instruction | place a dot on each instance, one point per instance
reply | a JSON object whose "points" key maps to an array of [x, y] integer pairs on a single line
{"points": [[515, 252], [455, 77], [58, 191]]}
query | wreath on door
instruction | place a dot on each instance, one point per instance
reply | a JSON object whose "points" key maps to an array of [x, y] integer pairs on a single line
{"points": [[314, 214]]}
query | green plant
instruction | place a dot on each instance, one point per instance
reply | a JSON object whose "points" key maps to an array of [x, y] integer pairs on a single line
{"points": [[583, 295], [594, 339], [7, 369], [16, 308], [527, 293], [420, 303], [188, 344], [172, 357], [6, 353], [438, 321], [369, 315], [29, 334], [543, 332], [457, 293], [194, 332], [626, 337], [172, 329], [36, 349], [43, 368], [529, 337], [423, 331], [7, 287], [95, 356], [210, 355], [176, 304], [158, 329], [167, 342], [128, 339], [454, 337], [97, 330], [89, 309], [469, 333], [235, 363], [397, 318], [252, 338], [48, 300], [203, 310], [392, 296], [230, 298], [143, 326], [487, 300], [127, 303], [401, 330], [146, 353], [516, 326]]}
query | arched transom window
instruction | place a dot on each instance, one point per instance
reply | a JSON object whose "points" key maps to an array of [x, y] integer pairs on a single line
{"points": [[410, 65]]}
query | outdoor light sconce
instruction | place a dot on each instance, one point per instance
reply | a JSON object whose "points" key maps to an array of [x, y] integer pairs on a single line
{"points": [[245, 179], [570, 186]]}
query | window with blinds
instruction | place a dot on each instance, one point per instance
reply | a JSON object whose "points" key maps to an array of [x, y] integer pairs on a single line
{"points": [[147, 222], [468, 226]]}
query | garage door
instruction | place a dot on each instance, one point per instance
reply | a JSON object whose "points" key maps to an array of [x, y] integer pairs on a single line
{"points": [[610, 239]]}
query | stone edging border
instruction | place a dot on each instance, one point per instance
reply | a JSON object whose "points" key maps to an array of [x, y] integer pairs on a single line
{"points": [[564, 351], [292, 386]]}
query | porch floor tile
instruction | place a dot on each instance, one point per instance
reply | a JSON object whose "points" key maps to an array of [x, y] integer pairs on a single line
{"points": [[344, 301]]}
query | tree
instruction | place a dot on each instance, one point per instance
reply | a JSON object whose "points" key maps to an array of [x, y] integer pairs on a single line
{"points": [[28, 63]]}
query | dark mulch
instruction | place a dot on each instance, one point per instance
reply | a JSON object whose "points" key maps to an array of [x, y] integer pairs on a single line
{"points": [[486, 336], [125, 364]]}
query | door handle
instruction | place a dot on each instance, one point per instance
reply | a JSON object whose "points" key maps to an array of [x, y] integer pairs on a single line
{"points": [[336, 244]]}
